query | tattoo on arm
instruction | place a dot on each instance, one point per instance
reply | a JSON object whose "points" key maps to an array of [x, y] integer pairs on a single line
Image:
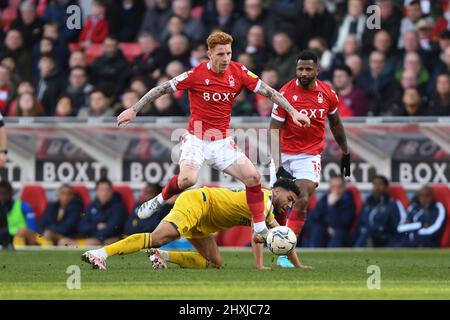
{"points": [[154, 94], [338, 131], [276, 97]]}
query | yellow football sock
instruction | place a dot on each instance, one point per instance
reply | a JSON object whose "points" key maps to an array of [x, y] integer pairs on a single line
{"points": [[130, 244], [43, 242], [187, 259], [19, 242]]}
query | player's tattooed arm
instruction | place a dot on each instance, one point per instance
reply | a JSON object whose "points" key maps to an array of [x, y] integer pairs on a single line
{"points": [[338, 131], [267, 91], [154, 94], [276, 97]]}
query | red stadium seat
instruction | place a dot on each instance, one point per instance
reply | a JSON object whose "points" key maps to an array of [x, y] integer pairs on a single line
{"points": [[358, 205], [8, 16], [441, 193], [94, 51], [83, 192], [34, 195], [127, 197], [397, 192], [131, 50]]}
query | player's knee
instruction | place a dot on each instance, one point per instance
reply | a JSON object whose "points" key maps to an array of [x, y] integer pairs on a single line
{"points": [[185, 182]]}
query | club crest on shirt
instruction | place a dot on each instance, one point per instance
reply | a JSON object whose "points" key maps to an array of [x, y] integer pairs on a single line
{"points": [[320, 97], [231, 81]]}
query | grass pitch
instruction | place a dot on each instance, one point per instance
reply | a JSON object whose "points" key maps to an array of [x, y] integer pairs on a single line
{"points": [[405, 274]]}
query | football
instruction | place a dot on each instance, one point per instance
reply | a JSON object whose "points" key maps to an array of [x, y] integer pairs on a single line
{"points": [[281, 240]]}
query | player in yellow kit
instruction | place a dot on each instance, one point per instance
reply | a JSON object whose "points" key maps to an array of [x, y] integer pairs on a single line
{"points": [[197, 215]]}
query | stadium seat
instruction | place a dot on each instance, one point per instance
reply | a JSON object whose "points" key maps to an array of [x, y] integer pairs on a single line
{"points": [[8, 16], [131, 50], [358, 206], [441, 193], [93, 51], [34, 195], [127, 197], [397, 192], [83, 192]]}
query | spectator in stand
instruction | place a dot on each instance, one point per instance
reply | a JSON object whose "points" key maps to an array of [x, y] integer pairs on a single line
{"points": [[64, 107], [413, 15], [390, 19], [222, 18], [352, 46], [314, 21], [175, 68], [439, 105], [352, 25], [110, 68], [29, 24], [413, 62], [21, 218], [179, 49], [77, 59], [409, 80], [380, 216], [175, 26], [243, 105], [193, 28], [50, 85], [255, 14], [47, 47], [126, 19], [61, 218], [332, 218], [246, 60], [56, 11], [151, 59], [6, 88], [255, 46], [60, 48], [355, 63], [128, 99], [165, 106], [412, 104], [376, 83], [425, 33], [285, 57], [319, 46], [442, 66], [23, 87], [27, 106], [96, 28], [442, 23], [78, 89], [134, 224], [352, 96], [199, 53], [10, 64], [424, 223], [14, 47], [99, 105], [382, 42], [156, 17], [105, 216]]}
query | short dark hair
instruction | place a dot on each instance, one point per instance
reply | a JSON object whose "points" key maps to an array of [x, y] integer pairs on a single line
{"points": [[5, 184], [103, 180], [382, 178], [345, 68], [288, 185], [414, 2], [308, 55]]}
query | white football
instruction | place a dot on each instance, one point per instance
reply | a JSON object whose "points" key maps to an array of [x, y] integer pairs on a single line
{"points": [[281, 240]]}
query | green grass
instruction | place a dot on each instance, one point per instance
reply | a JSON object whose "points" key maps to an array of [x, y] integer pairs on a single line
{"points": [[405, 274]]}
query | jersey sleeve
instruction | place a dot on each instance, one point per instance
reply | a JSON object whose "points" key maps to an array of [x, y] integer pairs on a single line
{"points": [[268, 207], [250, 80], [334, 102], [278, 113], [184, 80]]}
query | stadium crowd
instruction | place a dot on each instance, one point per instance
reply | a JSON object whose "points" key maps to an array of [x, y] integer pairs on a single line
{"points": [[126, 47], [335, 221]]}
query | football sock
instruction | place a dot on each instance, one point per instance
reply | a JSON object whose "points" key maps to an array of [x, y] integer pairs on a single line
{"points": [[255, 202], [296, 221], [130, 244], [171, 188], [186, 259]]}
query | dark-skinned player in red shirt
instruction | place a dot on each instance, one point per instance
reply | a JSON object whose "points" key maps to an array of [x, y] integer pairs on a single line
{"points": [[299, 154], [213, 86]]}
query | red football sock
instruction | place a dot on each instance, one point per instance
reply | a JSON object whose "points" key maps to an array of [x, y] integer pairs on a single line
{"points": [[171, 188], [296, 221], [255, 202]]}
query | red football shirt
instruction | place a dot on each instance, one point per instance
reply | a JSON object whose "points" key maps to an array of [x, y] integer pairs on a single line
{"points": [[211, 97], [317, 104]]}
